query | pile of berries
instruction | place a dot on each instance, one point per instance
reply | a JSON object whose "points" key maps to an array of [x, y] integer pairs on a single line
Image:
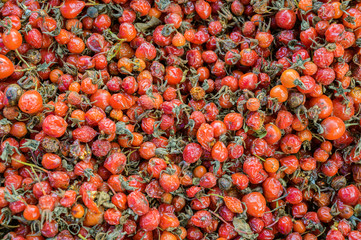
{"points": [[180, 119]]}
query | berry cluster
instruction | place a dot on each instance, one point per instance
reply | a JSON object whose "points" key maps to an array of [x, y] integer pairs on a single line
{"points": [[180, 119]]}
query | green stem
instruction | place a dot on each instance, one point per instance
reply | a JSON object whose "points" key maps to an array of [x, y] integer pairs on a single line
{"points": [[25, 69], [81, 237], [22, 59], [31, 165], [216, 195]]}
